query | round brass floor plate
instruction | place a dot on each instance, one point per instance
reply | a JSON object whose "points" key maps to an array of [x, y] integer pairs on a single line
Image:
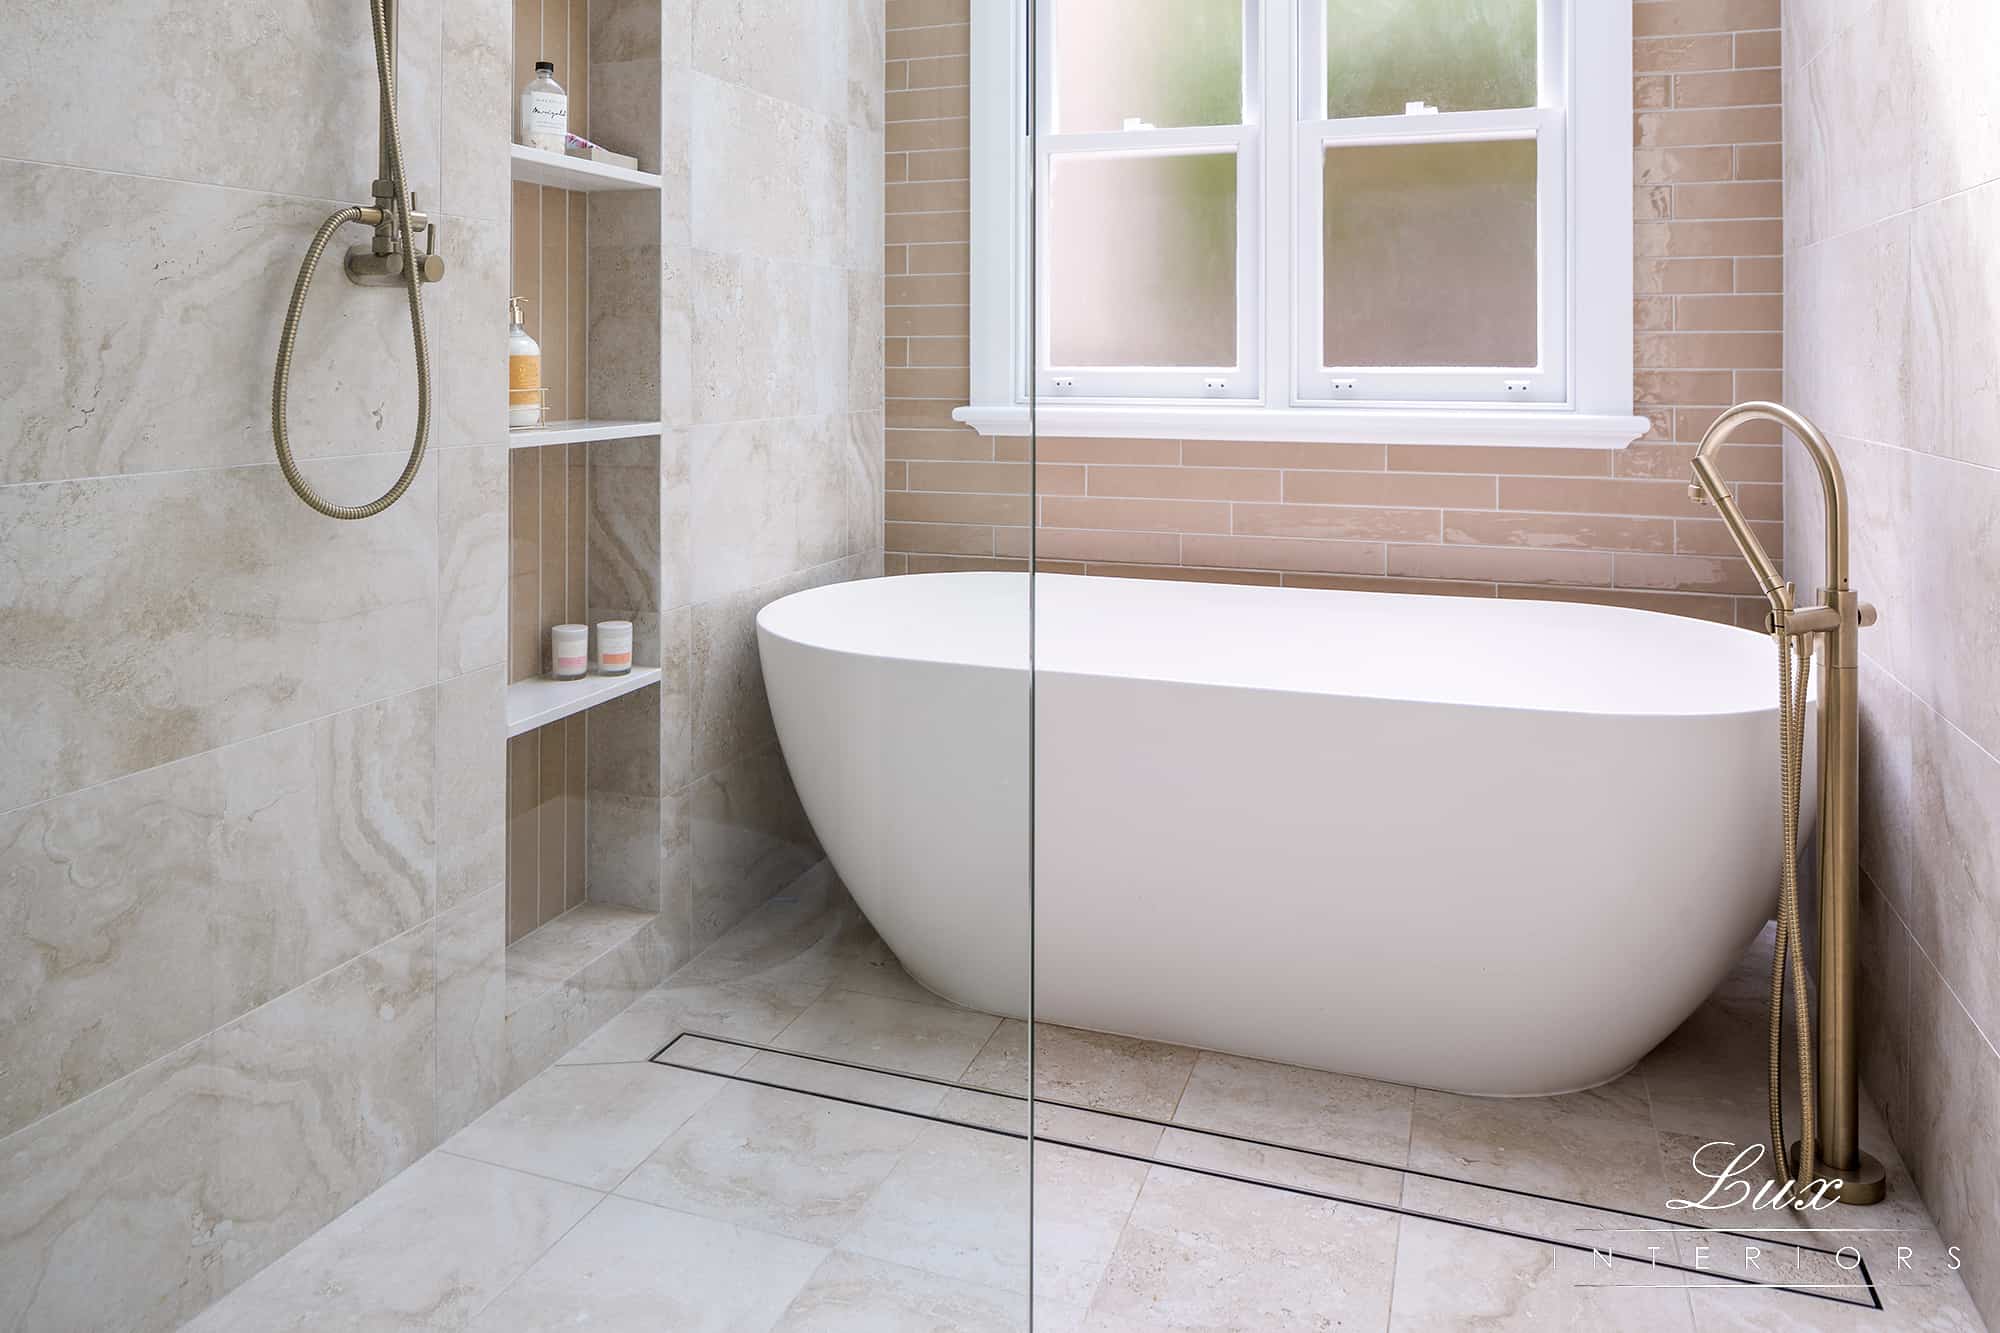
{"points": [[1866, 1184]]}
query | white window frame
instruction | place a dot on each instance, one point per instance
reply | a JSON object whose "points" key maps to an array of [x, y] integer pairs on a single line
{"points": [[1581, 396], [1244, 141]]}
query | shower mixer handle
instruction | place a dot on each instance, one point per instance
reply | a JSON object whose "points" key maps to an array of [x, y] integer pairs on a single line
{"points": [[380, 263]]}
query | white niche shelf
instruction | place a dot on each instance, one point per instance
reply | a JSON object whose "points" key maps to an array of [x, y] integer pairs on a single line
{"points": [[535, 166], [579, 432], [540, 701]]}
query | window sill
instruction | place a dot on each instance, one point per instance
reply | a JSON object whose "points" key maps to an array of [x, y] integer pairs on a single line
{"points": [[1542, 428]]}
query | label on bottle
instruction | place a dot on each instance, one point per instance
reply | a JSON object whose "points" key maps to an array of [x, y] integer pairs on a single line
{"points": [[524, 372], [545, 119]]}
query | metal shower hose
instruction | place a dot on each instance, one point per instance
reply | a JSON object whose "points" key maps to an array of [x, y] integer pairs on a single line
{"points": [[413, 283], [1792, 701]]}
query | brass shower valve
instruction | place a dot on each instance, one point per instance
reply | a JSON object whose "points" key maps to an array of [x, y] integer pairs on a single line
{"points": [[380, 263]]}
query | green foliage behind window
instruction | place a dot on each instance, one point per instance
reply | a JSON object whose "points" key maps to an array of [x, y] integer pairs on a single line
{"points": [[1457, 55]]}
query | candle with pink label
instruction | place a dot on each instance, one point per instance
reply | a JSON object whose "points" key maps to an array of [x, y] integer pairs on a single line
{"points": [[569, 650]]}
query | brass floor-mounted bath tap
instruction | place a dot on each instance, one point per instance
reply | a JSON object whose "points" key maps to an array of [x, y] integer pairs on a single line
{"points": [[1837, 622]]}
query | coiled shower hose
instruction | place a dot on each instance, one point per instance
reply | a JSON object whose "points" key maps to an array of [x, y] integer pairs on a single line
{"points": [[385, 73], [1792, 700]]}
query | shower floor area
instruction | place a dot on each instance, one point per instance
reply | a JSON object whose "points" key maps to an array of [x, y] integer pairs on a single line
{"points": [[791, 1134]]}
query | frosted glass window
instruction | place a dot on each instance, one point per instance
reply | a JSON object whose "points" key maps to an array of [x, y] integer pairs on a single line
{"points": [[1142, 260], [1166, 63], [1430, 255], [1455, 55]]}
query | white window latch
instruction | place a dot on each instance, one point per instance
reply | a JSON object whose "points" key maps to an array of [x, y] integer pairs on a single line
{"points": [[1516, 388], [1419, 109], [1344, 386], [1063, 383], [1134, 123], [1216, 386]]}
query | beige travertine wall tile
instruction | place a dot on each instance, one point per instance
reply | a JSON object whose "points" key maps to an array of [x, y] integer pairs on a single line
{"points": [[151, 337], [139, 1156], [1894, 312], [203, 597], [95, 84], [321, 1097], [471, 1008], [251, 751]]}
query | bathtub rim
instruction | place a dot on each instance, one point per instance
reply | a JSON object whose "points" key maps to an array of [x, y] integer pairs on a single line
{"points": [[771, 612]]}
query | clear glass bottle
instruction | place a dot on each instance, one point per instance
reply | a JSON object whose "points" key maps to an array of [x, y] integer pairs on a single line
{"points": [[544, 110]]}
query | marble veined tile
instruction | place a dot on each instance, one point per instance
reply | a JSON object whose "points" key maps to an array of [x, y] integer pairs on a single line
{"points": [[427, 1250], [1082, 1201], [587, 1124], [1619, 1297], [782, 1162], [1300, 1107], [797, 53], [322, 1095], [141, 913], [478, 107], [105, 1219], [471, 1008], [179, 612], [768, 177], [747, 1012], [1201, 1253], [1282, 1166], [158, 314], [1450, 1278], [1118, 1074], [1548, 1145], [632, 1268], [957, 1206], [1062, 1124], [851, 1293], [749, 839], [890, 1034], [889, 1091], [472, 558], [359, 845], [471, 774], [302, 81]]}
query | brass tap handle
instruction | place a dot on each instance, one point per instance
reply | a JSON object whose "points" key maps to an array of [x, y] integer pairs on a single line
{"points": [[431, 267], [1866, 614]]}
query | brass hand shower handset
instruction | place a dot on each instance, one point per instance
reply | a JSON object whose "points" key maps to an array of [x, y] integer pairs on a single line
{"points": [[1830, 1103], [390, 261]]}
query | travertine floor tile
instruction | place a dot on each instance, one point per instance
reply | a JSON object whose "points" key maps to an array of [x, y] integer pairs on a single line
{"points": [[1121, 1074], [1201, 1253], [1301, 1108], [586, 1124], [1551, 1145], [746, 1012], [632, 1268], [1450, 1278], [956, 1205], [889, 1034], [783, 1162], [427, 1250], [854, 1294]]}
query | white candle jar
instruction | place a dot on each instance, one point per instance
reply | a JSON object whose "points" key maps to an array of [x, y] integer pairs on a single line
{"points": [[614, 647], [569, 650]]}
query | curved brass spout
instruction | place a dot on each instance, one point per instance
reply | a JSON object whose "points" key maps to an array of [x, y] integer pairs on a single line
{"points": [[1709, 487], [1837, 620]]}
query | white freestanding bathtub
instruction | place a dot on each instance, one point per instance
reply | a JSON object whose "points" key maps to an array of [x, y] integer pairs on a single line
{"points": [[1498, 847]]}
